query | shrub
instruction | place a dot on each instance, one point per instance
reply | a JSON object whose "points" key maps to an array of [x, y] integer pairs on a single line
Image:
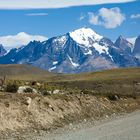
{"points": [[28, 90], [86, 91], [45, 92], [113, 97], [11, 88], [33, 83]]}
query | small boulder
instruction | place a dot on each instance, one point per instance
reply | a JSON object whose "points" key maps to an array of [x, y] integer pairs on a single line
{"points": [[26, 89], [56, 91], [29, 100]]}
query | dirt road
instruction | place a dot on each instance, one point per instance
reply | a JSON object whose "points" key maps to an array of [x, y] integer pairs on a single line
{"points": [[123, 128]]}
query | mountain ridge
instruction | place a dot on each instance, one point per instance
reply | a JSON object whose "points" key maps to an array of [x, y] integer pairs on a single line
{"points": [[82, 50], [2, 50]]}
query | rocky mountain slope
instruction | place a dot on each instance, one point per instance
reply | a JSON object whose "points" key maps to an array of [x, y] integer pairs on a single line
{"points": [[136, 51], [82, 50], [2, 50]]}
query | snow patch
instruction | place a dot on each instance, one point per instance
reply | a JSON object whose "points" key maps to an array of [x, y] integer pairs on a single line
{"points": [[52, 68], [19, 49], [55, 62], [102, 49], [88, 39], [61, 40], [132, 40], [74, 64], [88, 53], [7, 52], [84, 36], [12, 60]]}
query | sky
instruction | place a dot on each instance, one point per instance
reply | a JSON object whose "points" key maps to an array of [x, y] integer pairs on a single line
{"points": [[22, 21]]}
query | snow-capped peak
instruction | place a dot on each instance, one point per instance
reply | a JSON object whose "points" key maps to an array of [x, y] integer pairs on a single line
{"points": [[61, 40], [85, 36]]}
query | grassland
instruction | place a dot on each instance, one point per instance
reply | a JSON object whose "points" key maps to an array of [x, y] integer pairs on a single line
{"points": [[87, 96], [23, 72], [125, 81]]}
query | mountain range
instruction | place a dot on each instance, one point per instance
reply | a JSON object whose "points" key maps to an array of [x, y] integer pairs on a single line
{"points": [[82, 50], [2, 50]]}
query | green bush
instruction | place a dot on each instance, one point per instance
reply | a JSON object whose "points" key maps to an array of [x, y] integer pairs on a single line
{"points": [[28, 90], [11, 87], [45, 92]]}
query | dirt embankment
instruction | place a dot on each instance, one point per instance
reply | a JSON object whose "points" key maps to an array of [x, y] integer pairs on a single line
{"points": [[30, 113]]}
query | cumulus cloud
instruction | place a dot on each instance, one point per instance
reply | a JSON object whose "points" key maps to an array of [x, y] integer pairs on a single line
{"points": [[94, 19], [135, 16], [82, 17], [28, 4], [37, 14], [12, 41], [109, 18]]}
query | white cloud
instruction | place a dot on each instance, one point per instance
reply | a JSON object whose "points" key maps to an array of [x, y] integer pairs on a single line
{"points": [[109, 18], [12, 41], [37, 14], [136, 16], [82, 17], [28, 4], [93, 19]]}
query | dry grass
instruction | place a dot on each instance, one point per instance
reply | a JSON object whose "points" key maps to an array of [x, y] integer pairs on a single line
{"points": [[27, 72], [51, 111], [48, 112], [116, 81]]}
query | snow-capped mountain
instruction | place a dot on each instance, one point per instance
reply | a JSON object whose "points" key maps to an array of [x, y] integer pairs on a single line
{"points": [[136, 50], [71, 52], [78, 51], [123, 44], [2, 50]]}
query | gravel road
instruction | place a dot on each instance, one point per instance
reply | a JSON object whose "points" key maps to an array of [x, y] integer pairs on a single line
{"points": [[123, 128]]}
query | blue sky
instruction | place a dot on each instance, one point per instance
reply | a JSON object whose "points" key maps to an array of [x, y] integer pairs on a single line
{"points": [[56, 21]]}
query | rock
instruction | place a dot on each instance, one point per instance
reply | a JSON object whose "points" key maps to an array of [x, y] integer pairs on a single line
{"points": [[114, 114], [70, 124], [27, 83], [62, 117], [106, 116], [50, 106], [56, 91], [117, 97], [35, 131], [26, 89], [85, 120], [29, 100], [50, 92], [113, 97], [138, 83], [38, 84], [74, 128]]}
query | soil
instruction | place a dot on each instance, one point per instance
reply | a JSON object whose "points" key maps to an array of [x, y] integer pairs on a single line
{"points": [[34, 114]]}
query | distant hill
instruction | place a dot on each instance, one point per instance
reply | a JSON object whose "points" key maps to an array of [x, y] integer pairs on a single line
{"points": [[23, 72], [124, 81], [28, 72]]}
